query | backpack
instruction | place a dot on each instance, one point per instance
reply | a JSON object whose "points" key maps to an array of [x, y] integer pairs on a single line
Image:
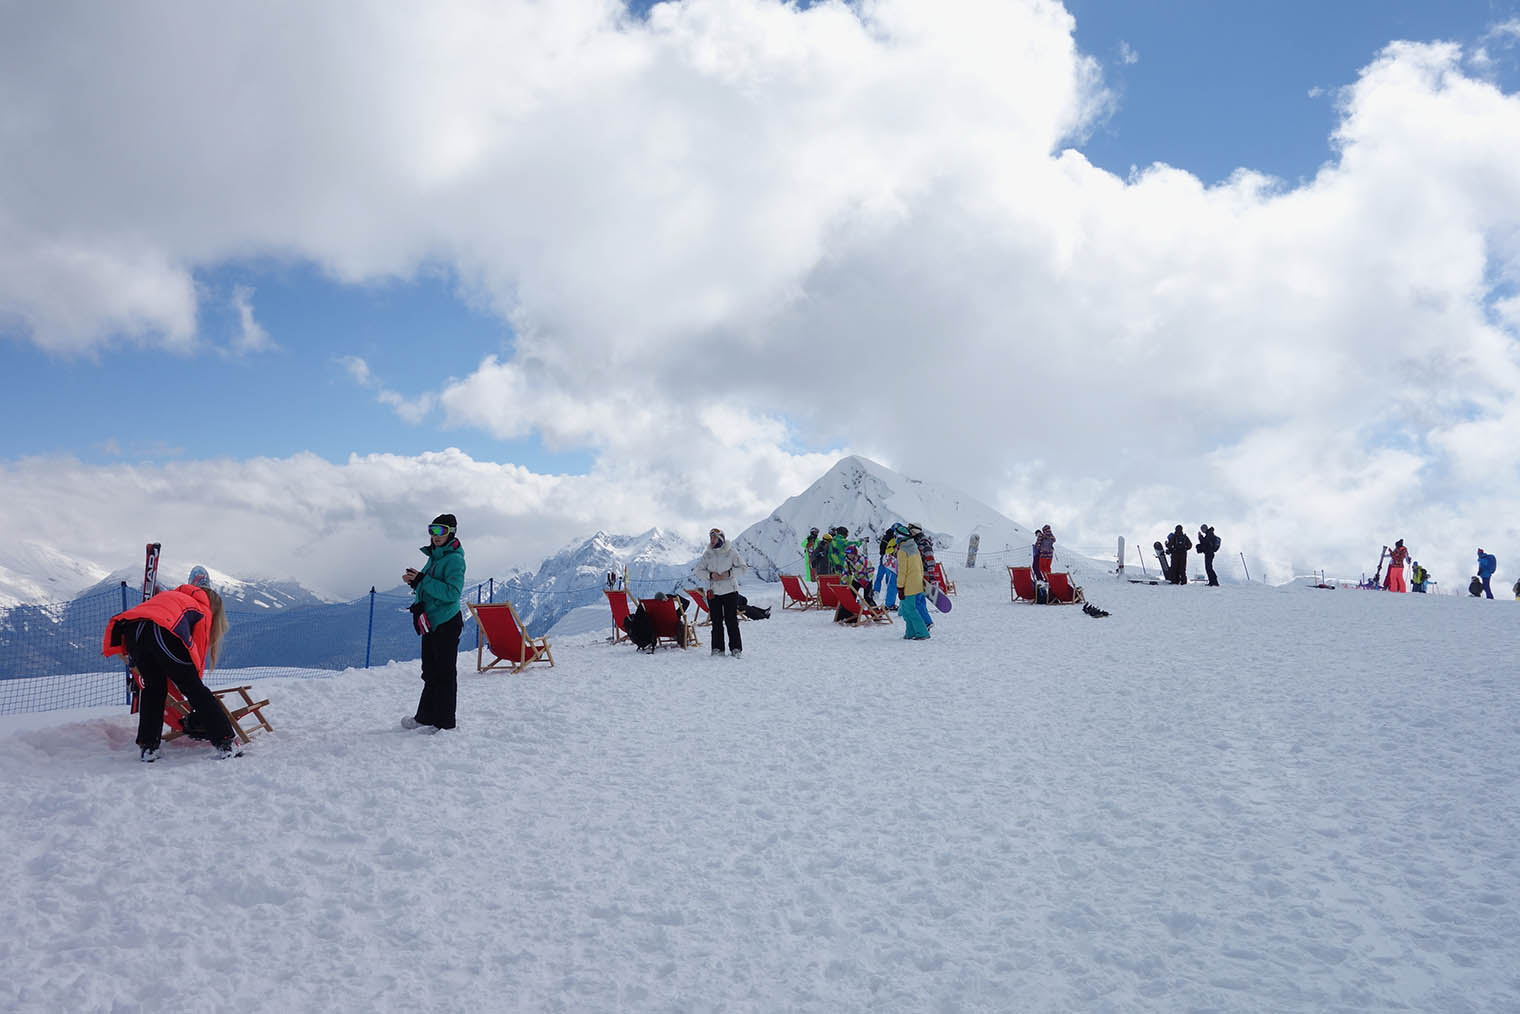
{"points": [[1475, 587]]}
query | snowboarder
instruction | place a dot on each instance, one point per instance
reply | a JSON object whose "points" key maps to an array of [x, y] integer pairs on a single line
{"points": [[719, 571], [1487, 564], [436, 591], [1394, 581], [175, 636], [926, 557], [910, 585], [1177, 545], [1044, 553], [1208, 545]]}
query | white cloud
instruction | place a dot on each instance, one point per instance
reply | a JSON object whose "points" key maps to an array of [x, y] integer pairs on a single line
{"points": [[412, 410], [742, 227], [251, 336], [1127, 54]]}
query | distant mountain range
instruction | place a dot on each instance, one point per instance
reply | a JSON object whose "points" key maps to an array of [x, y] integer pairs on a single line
{"points": [[282, 624]]}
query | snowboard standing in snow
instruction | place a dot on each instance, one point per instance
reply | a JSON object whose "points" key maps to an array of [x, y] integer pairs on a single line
{"points": [[1166, 567], [972, 545]]}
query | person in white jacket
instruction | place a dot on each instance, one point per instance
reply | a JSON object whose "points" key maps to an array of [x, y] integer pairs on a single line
{"points": [[719, 570]]}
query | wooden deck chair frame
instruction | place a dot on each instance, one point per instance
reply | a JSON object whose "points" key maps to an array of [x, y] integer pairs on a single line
{"points": [[1021, 584], [698, 596], [1062, 591], [176, 709], [492, 618], [614, 596], [668, 623], [851, 602], [826, 585], [795, 594], [942, 579]]}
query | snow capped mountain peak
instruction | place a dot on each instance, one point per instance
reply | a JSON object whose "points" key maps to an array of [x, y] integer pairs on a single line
{"points": [[35, 572], [868, 498]]}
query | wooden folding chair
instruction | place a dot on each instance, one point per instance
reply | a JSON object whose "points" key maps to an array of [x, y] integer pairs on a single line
{"points": [[177, 709], [794, 594], [1061, 589], [942, 579], [1021, 584], [698, 596], [827, 583], [618, 600], [503, 632], [668, 623], [850, 602]]}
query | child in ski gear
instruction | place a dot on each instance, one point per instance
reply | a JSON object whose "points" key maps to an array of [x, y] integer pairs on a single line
{"points": [[1044, 553], [1487, 564], [910, 585], [1418, 575], [1394, 580], [1208, 545], [719, 571], [175, 636], [436, 591], [808, 546], [1177, 546], [1475, 587]]}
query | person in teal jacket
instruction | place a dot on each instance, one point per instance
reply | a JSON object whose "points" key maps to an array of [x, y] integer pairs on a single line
{"points": [[436, 591]]}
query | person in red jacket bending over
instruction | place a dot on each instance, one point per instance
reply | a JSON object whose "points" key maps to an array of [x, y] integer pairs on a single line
{"points": [[1394, 582], [174, 636]]}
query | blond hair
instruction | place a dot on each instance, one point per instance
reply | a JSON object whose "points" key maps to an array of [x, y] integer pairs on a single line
{"points": [[218, 628]]}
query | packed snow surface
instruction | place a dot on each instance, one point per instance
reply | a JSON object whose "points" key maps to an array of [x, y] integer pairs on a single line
{"points": [[1246, 799]]}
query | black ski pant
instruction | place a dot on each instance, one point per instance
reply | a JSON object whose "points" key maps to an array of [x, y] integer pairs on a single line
{"points": [[161, 658], [725, 616], [440, 674], [1208, 568]]}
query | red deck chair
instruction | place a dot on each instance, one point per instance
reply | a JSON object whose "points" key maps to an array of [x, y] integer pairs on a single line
{"points": [[176, 708], [940, 579], [618, 600], [826, 585], [503, 632], [700, 598], [1020, 584], [794, 594], [669, 625], [1061, 589], [850, 602]]}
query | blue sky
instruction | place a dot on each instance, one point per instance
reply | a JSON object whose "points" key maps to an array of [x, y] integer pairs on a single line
{"points": [[721, 236], [1212, 86]]}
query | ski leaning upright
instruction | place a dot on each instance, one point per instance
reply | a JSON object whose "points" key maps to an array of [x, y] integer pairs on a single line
{"points": [[149, 587]]}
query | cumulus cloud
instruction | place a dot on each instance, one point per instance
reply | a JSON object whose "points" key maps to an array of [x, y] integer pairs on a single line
{"points": [[251, 336], [738, 231]]}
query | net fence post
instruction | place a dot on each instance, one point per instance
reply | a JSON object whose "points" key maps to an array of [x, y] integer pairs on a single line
{"points": [[369, 636]]}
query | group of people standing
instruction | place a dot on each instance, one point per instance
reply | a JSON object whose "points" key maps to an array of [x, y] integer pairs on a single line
{"points": [[1177, 547], [1481, 586], [905, 567]]}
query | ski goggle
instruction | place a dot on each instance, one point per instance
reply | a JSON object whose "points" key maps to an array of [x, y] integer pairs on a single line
{"points": [[436, 530]]}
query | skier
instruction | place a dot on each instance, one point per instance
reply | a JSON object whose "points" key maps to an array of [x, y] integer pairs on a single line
{"points": [[838, 546], [1044, 553], [1486, 567], [1208, 545], [1394, 580], [175, 636], [436, 591], [719, 571], [886, 567], [808, 545], [1177, 546], [910, 585]]}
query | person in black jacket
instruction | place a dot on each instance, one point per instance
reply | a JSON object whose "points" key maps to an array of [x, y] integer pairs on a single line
{"points": [[1177, 546], [1208, 545]]}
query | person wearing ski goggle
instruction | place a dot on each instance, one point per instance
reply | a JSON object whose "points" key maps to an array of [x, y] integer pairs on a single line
{"points": [[436, 591]]}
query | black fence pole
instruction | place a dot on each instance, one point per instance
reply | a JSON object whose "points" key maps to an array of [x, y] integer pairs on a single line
{"points": [[369, 636]]}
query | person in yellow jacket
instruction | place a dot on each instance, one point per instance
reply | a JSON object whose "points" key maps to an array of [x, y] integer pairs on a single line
{"points": [[910, 585]]}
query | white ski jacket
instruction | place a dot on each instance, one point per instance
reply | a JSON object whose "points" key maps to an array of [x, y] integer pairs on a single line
{"points": [[720, 568]]}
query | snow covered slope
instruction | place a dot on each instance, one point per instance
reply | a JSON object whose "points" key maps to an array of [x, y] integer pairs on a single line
{"points": [[1273, 818], [31, 572]]}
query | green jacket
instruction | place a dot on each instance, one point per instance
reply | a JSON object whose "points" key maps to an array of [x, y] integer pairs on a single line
{"points": [[441, 585]]}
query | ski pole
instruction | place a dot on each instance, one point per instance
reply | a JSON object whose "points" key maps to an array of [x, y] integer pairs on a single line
{"points": [[1243, 564]]}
